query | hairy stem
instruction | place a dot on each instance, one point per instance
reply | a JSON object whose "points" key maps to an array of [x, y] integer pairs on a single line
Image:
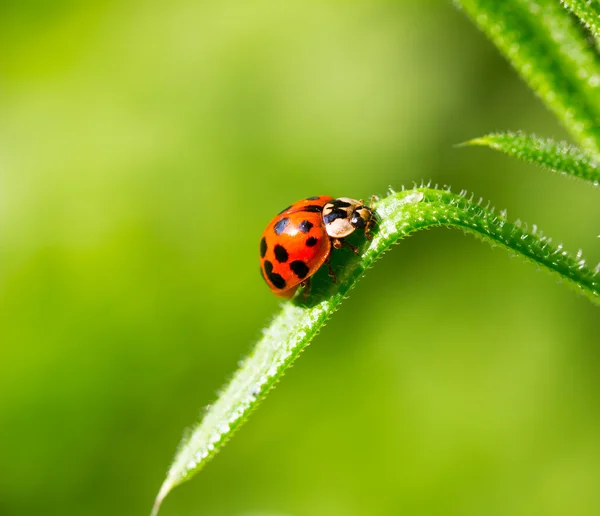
{"points": [[550, 51], [558, 157], [299, 320]]}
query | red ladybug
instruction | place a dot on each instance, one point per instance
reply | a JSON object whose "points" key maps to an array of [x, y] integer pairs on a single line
{"points": [[298, 241]]}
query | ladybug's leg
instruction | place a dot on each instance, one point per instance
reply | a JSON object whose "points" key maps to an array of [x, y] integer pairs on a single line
{"points": [[306, 291], [338, 243], [369, 227], [343, 243], [331, 272], [373, 219], [353, 247]]}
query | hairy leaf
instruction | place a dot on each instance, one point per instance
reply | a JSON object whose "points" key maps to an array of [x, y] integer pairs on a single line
{"points": [[299, 320], [558, 157], [588, 11], [550, 51]]}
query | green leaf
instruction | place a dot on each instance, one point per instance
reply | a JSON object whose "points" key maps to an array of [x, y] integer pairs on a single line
{"points": [[551, 52], [558, 157], [588, 11], [299, 320]]}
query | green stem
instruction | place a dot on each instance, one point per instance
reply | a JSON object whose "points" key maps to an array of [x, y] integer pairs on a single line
{"points": [[588, 11], [550, 51], [557, 157], [299, 320]]}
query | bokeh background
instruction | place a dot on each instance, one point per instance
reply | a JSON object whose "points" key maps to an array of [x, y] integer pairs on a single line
{"points": [[143, 148]]}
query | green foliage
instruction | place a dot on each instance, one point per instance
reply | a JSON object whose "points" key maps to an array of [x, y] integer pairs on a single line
{"points": [[551, 53], [557, 157], [298, 322], [588, 11], [134, 139]]}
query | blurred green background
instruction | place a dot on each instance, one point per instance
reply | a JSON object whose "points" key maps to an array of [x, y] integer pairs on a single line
{"points": [[144, 146]]}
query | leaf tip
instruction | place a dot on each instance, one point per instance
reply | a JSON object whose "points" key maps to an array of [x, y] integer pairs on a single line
{"points": [[156, 507], [480, 141], [162, 493]]}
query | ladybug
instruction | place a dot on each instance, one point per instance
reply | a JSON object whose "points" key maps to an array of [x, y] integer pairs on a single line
{"points": [[298, 241]]}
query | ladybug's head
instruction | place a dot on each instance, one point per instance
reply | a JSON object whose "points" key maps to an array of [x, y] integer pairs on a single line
{"points": [[344, 215]]}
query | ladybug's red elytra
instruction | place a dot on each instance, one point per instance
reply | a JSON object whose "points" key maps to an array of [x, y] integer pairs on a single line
{"points": [[298, 241]]}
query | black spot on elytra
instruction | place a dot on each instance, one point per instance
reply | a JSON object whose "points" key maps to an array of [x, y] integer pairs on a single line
{"points": [[280, 226], [312, 241], [336, 213], [315, 198], [263, 247], [281, 254], [285, 209], [313, 208], [305, 226], [276, 279], [299, 268], [268, 267]]}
